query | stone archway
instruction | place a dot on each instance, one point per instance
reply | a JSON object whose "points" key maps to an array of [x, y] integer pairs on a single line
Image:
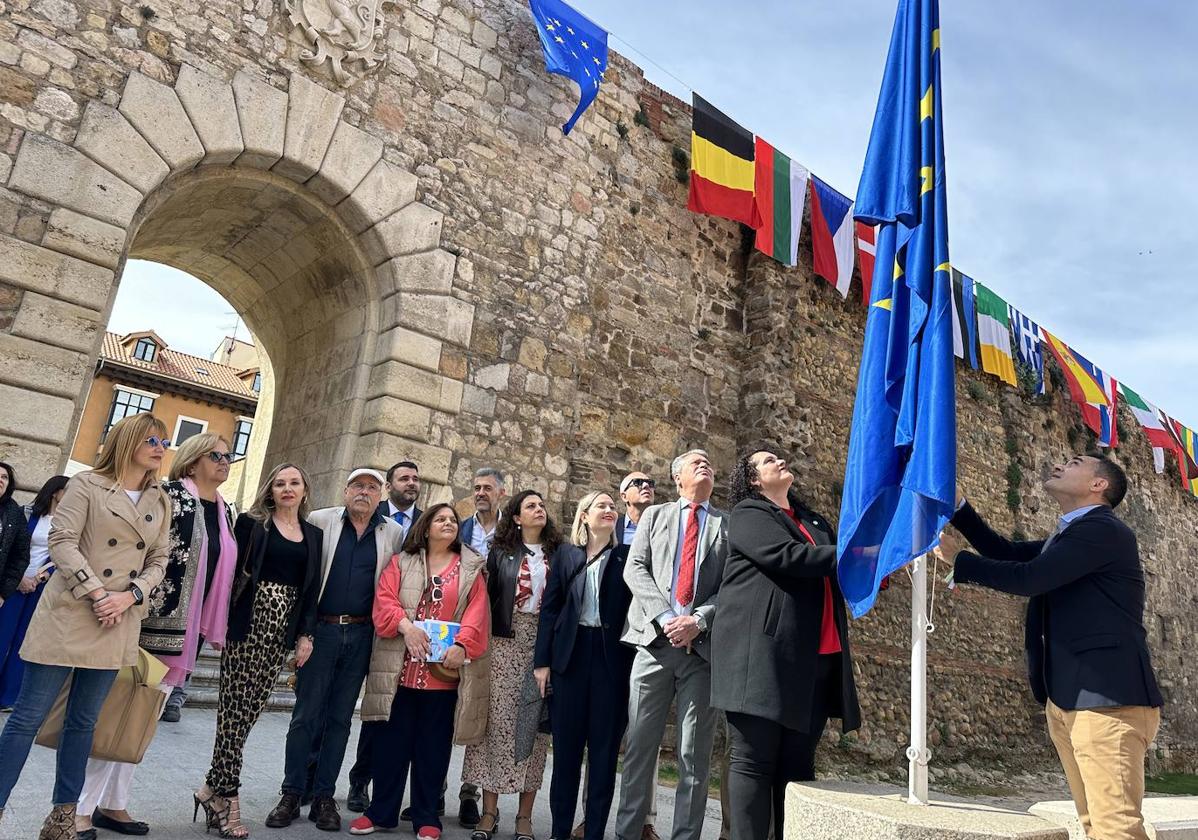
{"points": [[291, 213]]}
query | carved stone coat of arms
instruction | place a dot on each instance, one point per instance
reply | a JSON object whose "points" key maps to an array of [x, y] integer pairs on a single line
{"points": [[341, 32]]}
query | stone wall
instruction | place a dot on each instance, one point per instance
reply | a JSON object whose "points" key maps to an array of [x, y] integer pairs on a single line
{"points": [[454, 279]]}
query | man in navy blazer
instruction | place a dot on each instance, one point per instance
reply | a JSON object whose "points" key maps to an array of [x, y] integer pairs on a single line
{"points": [[1087, 650]]}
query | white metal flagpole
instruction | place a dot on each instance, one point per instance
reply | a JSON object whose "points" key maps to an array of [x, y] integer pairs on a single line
{"points": [[917, 753]]}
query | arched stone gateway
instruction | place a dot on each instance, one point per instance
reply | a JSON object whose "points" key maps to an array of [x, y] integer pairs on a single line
{"points": [[290, 213]]}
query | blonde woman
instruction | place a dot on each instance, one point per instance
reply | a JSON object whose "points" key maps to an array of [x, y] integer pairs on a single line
{"points": [[109, 542], [580, 658], [272, 611], [190, 606]]}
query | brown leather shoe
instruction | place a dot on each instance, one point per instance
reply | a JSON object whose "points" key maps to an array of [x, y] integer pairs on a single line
{"points": [[580, 831], [649, 832], [287, 811], [324, 814]]}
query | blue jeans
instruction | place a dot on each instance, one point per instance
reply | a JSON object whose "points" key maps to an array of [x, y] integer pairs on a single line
{"points": [[326, 691], [39, 689]]}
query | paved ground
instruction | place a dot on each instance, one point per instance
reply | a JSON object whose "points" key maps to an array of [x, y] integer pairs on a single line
{"points": [[179, 756]]}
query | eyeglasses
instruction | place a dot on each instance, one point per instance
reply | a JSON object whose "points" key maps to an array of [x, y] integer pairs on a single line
{"points": [[435, 590], [646, 483], [156, 442], [217, 457]]}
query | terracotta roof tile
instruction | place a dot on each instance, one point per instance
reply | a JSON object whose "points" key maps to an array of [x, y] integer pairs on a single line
{"points": [[182, 366]]}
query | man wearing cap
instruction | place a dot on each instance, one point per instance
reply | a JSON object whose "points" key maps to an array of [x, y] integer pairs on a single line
{"points": [[358, 542]]}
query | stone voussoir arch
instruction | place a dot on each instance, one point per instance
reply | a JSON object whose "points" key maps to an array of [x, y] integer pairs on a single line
{"points": [[157, 133]]}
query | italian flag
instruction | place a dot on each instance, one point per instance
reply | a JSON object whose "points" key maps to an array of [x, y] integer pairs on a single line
{"points": [[994, 334], [779, 190]]}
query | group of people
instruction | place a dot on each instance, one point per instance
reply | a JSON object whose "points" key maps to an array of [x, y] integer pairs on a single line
{"points": [[580, 638]]}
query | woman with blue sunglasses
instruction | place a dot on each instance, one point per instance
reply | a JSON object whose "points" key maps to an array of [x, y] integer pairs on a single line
{"points": [[109, 543]]}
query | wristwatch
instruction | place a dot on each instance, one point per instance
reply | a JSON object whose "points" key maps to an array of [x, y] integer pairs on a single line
{"points": [[137, 596]]}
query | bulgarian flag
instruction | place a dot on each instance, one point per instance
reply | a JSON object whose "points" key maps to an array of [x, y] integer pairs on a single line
{"points": [[1155, 428], [780, 191]]}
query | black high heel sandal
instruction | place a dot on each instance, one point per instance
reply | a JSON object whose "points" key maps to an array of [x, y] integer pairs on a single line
{"points": [[485, 833]]}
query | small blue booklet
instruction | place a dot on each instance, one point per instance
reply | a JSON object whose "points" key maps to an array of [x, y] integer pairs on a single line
{"points": [[441, 635]]}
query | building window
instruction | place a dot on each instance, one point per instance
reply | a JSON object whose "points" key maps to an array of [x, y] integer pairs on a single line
{"points": [[145, 349], [241, 437], [126, 404], [257, 386], [187, 427]]}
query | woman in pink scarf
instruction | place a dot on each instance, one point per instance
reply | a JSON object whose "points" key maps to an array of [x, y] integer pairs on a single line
{"points": [[190, 607]]}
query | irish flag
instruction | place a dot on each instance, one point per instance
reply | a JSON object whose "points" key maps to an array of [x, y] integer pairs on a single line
{"points": [[994, 334], [780, 190]]}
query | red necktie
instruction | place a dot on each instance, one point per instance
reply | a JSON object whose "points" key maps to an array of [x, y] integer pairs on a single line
{"points": [[686, 570]]}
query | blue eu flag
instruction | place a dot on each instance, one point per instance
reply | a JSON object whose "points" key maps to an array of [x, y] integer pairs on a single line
{"points": [[901, 472], [574, 47]]}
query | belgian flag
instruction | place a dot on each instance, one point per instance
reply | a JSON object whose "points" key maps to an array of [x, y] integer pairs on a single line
{"points": [[722, 167]]}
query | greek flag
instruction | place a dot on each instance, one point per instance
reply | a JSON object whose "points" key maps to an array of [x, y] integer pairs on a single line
{"points": [[1027, 342]]}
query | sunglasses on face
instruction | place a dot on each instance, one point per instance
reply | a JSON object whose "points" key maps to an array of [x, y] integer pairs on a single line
{"points": [[646, 483], [217, 457], [156, 442]]}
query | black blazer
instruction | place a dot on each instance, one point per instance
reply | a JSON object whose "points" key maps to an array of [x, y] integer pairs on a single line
{"points": [[302, 621], [765, 643], [562, 606], [1085, 638]]}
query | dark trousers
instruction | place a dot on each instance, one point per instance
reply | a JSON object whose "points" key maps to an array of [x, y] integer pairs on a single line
{"points": [[418, 735], [359, 774], [766, 756], [326, 691], [589, 710]]}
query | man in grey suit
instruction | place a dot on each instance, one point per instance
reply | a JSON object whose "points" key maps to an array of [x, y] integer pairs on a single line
{"points": [[674, 570]]}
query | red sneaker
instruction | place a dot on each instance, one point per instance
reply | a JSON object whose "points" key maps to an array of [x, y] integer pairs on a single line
{"points": [[362, 825], [428, 832]]}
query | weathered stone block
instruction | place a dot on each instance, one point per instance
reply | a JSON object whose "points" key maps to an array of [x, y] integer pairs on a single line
{"points": [[81, 236], [478, 401], [396, 379], [312, 115], [384, 190], [51, 273], [38, 461], [49, 170], [381, 450], [42, 367], [155, 110], [34, 415], [494, 377], [111, 140], [412, 348], [351, 156], [446, 317], [57, 322], [210, 106], [415, 228], [262, 115], [428, 271], [397, 417]]}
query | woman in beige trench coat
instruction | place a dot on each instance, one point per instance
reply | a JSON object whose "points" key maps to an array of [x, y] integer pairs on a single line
{"points": [[109, 544]]}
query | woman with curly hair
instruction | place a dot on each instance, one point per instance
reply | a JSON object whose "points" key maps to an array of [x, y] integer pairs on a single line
{"points": [[781, 667], [517, 570]]}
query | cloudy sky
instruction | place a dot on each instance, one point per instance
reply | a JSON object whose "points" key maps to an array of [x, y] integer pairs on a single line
{"points": [[1069, 127]]}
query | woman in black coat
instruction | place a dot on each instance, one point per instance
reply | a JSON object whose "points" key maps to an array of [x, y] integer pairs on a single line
{"points": [[780, 666], [14, 535]]}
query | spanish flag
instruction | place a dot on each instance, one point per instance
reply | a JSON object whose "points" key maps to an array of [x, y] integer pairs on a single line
{"points": [[722, 168]]}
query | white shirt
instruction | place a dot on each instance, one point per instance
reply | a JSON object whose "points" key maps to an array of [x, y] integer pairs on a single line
{"points": [[407, 517], [39, 545], [481, 538], [134, 496], [539, 573]]}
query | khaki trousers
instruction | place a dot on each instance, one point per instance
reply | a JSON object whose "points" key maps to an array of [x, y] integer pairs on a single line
{"points": [[1102, 752]]}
